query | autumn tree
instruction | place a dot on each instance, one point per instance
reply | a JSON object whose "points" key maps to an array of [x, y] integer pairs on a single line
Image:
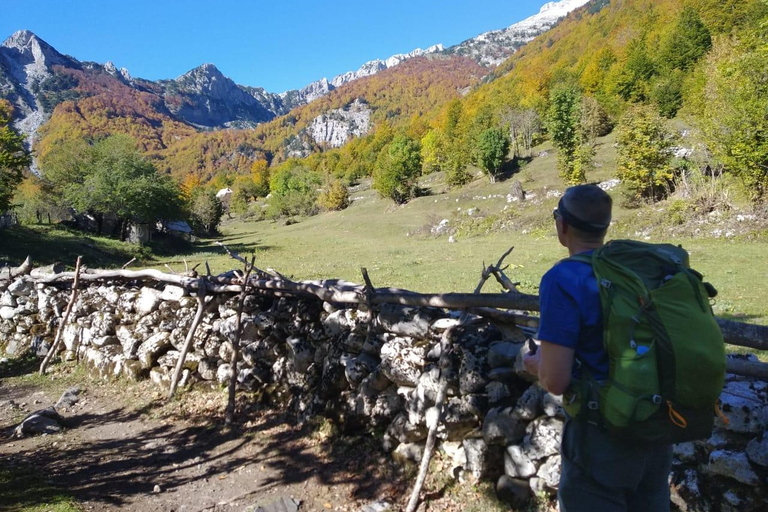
{"points": [[732, 106], [397, 169], [644, 154], [205, 212], [568, 136], [434, 151], [14, 157], [260, 175], [491, 150]]}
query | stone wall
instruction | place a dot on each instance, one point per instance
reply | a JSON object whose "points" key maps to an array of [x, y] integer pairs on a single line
{"points": [[376, 371]]}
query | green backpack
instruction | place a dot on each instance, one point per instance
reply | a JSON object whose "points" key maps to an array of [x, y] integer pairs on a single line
{"points": [[666, 351]]}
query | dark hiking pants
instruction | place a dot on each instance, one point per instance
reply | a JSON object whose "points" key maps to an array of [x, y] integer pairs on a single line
{"points": [[602, 474]]}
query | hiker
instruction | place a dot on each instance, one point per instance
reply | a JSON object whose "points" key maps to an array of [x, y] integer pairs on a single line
{"points": [[600, 471]]}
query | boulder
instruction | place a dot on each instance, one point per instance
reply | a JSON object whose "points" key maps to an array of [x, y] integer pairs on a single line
{"points": [[302, 351], [549, 472], [172, 293], [497, 391], [481, 459], [45, 421]]}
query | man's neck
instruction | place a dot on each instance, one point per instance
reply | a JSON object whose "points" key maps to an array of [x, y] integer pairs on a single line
{"points": [[578, 248]]}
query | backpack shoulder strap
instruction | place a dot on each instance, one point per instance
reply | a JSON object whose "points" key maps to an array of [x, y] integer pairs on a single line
{"points": [[583, 258]]}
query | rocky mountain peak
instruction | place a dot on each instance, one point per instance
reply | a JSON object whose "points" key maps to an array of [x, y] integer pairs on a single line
{"points": [[29, 57]]}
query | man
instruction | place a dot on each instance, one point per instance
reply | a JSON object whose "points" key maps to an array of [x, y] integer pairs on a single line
{"points": [[599, 473]]}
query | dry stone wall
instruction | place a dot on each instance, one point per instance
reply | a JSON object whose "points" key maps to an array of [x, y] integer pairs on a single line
{"points": [[375, 370]]}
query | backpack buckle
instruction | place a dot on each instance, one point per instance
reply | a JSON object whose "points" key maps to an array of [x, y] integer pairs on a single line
{"points": [[656, 399], [593, 406], [605, 283]]}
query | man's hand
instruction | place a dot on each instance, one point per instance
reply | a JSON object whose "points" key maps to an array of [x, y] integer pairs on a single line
{"points": [[532, 360]]}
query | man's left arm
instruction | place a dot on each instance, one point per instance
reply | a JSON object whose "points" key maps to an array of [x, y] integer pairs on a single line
{"points": [[552, 364]]}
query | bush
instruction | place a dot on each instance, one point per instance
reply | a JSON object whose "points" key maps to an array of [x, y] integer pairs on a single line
{"points": [[294, 190], [334, 197]]}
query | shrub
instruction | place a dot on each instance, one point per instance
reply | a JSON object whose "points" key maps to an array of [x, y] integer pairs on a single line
{"points": [[334, 197], [397, 169]]}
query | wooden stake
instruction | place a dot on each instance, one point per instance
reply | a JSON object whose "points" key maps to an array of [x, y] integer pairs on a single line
{"points": [[249, 266], [434, 418], [201, 289], [54, 348]]}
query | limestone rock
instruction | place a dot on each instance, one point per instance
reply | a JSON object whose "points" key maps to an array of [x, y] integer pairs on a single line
{"points": [[207, 369], [503, 354], [528, 405], [68, 398], [552, 405], [223, 373], [152, 348], [500, 427], [471, 378], [45, 421], [733, 465], [481, 460], [757, 451], [549, 472], [173, 293], [513, 491], [543, 437], [147, 301], [497, 391], [517, 464], [128, 340], [302, 351], [21, 288], [132, 370], [405, 321], [401, 362], [408, 452], [745, 406]]}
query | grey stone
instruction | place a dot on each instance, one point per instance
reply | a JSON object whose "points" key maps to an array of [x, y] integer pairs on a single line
{"points": [[377, 506], [500, 427], [405, 321], [45, 421], [282, 504], [404, 431], [745, 407], [132, 370], [207, 369], [497, 391], [173, 293], [733, 465], [152, 348], [443, 324], [501, 374], [171, 358], [684, 452], [543, 437], [517, 464], [408, 452], [303, 353], [21, 288], [757, 451], [102, 324], [109, 294], [68, 398], [147, 301], [401, 363], [481, 460], [128, 340], [7, 300], [519, 366], [503, 354], [7, 312], [513, 491], [552, 405], [549, 472], [223, 373], [528, 405], [103, 341], [471, 378], [358, 368]]}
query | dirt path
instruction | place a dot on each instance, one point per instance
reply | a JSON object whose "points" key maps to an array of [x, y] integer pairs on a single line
{"points": [[120, 444]]}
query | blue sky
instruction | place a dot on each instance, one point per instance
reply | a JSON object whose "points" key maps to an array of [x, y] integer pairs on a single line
{"points": [[275, 45]]}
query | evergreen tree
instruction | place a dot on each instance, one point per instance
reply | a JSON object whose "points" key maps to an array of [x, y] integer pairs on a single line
{"points": [[689, 41]]}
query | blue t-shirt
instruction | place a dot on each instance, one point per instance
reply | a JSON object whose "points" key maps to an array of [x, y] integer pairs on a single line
{"points": [[572, 316]]}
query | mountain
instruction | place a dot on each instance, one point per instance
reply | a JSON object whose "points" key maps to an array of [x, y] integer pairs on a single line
{"points": [[494, 47]]}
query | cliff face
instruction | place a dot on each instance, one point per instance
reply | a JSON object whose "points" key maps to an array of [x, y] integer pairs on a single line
{"points": [[334, 128]]}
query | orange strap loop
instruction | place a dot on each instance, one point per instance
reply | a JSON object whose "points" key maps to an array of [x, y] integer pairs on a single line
{"points": [[720, 414], [675, 417]]}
